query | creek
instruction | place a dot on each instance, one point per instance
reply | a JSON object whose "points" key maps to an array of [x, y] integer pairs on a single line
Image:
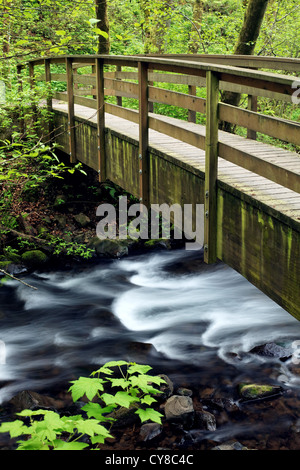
{"points": [[202, 322]]}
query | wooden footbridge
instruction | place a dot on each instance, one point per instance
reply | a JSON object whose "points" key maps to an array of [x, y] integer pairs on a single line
{"points": [[104, 116]]}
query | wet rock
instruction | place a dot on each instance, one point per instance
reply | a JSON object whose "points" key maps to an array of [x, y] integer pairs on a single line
{"points": [[31, 400], [257, 391], [273, 350], [82, 220], [185, 392], [149, 431], [180, 409], [230, 445], [205, 420], [165, 388]]}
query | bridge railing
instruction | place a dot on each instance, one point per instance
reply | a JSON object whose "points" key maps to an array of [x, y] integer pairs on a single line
{"points": [[137, 82]]}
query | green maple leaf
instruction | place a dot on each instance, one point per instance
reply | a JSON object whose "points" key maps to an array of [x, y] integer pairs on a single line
{"points": [[86, 386], [91, 427], [32, 444], [63, 445], [123, 383], [106, 368], [149, 414], [94, 410], [139, 368], [148, 400], [123, 399], [15, 428], [144, 383]]}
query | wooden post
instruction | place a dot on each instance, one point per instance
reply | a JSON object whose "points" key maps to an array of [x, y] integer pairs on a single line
{"points": [[71, 113], [143, 133], [100, 119], [211, 168], [119, 98], [192, 114], [252, 106], [49, 94]]}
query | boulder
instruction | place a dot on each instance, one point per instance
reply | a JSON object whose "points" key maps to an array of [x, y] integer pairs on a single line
{"points": [[206, 420], [82, 220], [230, 445], [109, 248], [149, 431], [34, 258], [29, 400], [180, 409], [166, 388], [257, 391], [273, 350]]}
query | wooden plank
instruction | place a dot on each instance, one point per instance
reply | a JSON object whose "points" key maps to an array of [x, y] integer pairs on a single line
{"points": [[71, 115], [269, 125], [160, 95], [125, 113], [100, 120], [246, 160], [177, 132], [211, 168]]}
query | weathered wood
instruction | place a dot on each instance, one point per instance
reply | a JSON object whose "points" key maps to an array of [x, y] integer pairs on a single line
{"points": [[269, 125], [100, 120], [71, 121], [211, 168], [193, 103], [192, 113], [143, 134], [252, 106]]}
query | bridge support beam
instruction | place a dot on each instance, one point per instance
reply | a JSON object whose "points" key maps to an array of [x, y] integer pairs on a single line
{"points": [[211, 167], [100, 120], [143, 133]]}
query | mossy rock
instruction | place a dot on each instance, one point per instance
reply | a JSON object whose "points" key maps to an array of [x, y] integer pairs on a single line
{"points": [[34, 258], [257, 391], [109, 248]]}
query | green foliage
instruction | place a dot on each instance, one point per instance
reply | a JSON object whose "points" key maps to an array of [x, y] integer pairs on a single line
{"points": [[47, 430]]}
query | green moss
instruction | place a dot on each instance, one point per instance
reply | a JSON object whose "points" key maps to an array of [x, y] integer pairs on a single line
{"points": [[34, 258], [254, 391], [4, 264]]}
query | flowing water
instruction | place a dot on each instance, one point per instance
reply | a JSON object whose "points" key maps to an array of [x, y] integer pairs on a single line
{"points": [[202, 321]]}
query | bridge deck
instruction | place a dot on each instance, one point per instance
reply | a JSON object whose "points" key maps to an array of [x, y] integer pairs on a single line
{"points": [[275, 197]]}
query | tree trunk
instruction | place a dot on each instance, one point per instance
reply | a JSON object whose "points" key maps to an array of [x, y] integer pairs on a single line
{"points": [[103, 24], [195, 41], [246, 43], [157, 17]]}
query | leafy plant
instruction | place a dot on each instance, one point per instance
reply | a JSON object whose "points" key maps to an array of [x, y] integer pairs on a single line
{"points": [[47, 430]]}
